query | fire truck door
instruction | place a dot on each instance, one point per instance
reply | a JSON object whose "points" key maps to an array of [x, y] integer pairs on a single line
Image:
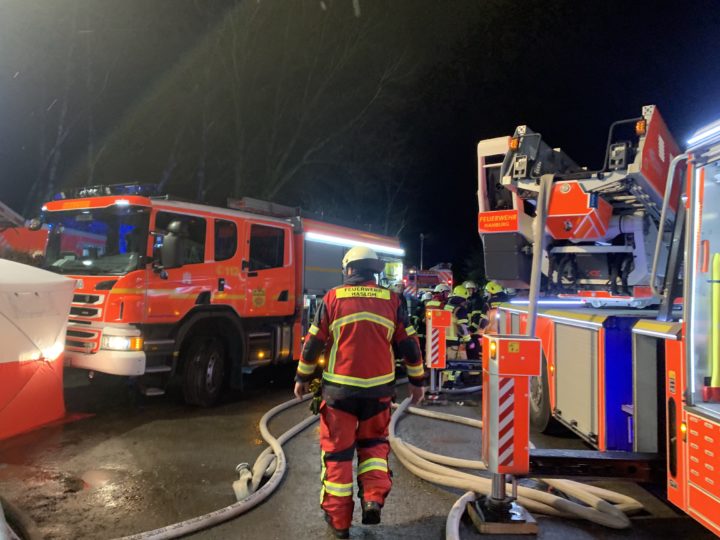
{"points": [[268, 268], [170, 298]]}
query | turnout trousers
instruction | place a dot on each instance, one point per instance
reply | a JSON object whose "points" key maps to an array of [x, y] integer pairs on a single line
{"points": [[346, 425]]}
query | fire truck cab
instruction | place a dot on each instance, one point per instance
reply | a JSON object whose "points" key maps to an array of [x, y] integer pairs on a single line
{"points": [[168, 287]]}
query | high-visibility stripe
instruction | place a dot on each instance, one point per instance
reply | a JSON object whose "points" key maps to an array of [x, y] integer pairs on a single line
{"points": [[362, 292], [357, 381], [372, 464], [363, 316], [339, 490], [410, 331], [333, 350], [323, 470], [461, 321], [305, 368], [313, 330], [415, 371]]}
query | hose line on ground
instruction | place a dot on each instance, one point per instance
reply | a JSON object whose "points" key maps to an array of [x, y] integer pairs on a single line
{"points": [[252, 499], [600, 506]]}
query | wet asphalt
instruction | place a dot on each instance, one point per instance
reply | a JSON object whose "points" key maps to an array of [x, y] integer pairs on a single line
{"points": [[121, 463]]}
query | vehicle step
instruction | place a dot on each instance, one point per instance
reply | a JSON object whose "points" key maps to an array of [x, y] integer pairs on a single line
{"points": [[150, 392], [158, 369]]}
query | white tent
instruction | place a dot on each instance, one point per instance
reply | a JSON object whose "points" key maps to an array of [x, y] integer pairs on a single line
{"points": [[34, 308]]}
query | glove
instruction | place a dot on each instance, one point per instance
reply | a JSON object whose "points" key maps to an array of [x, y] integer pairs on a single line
{"points": [[316, 401]]}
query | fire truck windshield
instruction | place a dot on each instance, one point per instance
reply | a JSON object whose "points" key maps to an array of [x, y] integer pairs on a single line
{"points": [[94, 241]]}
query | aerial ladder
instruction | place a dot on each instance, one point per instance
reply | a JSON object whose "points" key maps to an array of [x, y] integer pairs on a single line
{"points": [[622, 268]]}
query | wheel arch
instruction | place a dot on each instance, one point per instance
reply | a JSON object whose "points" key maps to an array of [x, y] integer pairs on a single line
{"points": [[220, 321]]}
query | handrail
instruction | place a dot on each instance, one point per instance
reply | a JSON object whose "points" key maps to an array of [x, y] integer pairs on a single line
{"points": [[661, 226]]}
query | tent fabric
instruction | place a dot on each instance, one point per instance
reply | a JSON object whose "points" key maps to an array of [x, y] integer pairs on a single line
{"points": [[34, 308]]}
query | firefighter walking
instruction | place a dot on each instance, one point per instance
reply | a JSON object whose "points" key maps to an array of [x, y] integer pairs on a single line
{"points": [[356, 325]]}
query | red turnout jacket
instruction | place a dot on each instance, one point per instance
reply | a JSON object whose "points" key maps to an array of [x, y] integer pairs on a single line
{"points": [[357, 326]]}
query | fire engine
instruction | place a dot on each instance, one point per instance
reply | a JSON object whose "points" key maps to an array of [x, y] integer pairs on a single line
{"points": [[167, 287], [417, 281], [630, 262]]}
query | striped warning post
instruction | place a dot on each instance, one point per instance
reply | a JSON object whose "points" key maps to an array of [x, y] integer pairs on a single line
{"points": [[506, 415], [434, 347]]}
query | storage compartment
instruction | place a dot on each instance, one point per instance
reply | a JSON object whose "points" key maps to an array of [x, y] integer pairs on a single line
{"points": [[576, 371], [508, 259]]}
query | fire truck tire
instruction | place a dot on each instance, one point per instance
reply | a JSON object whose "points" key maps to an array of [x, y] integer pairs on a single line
{"points": [[204, 371], [540, 415]]}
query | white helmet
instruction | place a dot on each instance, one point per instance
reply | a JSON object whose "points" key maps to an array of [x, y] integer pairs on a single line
{"points": [[361, 257], [442, 288], [426, 297], [469, 284]]}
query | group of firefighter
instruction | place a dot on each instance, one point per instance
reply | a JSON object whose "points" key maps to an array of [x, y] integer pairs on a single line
{"points": [[472, 315], [361, 328]]}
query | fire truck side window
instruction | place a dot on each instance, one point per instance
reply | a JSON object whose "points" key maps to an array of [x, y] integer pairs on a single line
{"points": [[225, 239], [267, 247], [193, 234]]}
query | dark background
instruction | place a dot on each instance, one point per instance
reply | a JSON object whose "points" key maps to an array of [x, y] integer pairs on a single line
{"points": [[362, 110]]}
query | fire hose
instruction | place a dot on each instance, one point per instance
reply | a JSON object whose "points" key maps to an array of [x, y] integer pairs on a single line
{"points": [[600, 506], [251, 500]]}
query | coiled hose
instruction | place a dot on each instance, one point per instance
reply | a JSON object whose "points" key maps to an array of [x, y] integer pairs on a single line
{"points": [[600, 506]]}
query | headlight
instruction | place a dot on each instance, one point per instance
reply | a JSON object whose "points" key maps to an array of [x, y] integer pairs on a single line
{"points": [[122, 343]]}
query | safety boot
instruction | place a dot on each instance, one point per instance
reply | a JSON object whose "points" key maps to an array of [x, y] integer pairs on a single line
{"points": [[339, 533], [371, 512]]}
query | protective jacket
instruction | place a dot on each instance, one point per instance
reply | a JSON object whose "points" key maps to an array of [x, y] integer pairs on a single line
{"points": [[357, 325], [477, 313], [435, 303], [458, 331]]}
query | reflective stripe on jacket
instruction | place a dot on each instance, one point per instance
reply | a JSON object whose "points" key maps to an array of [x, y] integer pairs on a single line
{"points": [[358, 324]]}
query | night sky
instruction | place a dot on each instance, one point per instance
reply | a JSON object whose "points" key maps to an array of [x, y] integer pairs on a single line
{"points": [[362, 110]]}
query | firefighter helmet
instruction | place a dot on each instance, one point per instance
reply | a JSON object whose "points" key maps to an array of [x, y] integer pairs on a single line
{"points": [[461, 290], [362, 258], [469, 284], [426, 297], [442, 288], [493, 287]]}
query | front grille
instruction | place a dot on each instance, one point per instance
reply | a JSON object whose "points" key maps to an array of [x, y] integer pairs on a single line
{"points": [[86, 298], [84, 312], [79, 346], [81, 335]]}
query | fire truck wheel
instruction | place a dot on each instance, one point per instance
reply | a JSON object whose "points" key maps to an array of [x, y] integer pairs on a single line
{"points": [[540, 417], [203, 371]]}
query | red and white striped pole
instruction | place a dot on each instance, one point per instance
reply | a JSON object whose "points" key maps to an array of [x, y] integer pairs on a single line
{"points": [[436, 323], [508, 364]]}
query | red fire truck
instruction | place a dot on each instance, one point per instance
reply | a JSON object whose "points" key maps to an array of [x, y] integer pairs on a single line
{"points": [[630, 262], [167, 287]]}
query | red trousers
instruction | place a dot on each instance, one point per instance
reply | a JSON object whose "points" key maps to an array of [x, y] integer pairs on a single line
{"points": [[346, 425]]}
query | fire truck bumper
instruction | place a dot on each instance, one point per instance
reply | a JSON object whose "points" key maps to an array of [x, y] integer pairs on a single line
{"points": [[128, 363]]}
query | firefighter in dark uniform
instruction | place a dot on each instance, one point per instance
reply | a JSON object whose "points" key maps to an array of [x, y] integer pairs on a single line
{"points": [[357, 324]]}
